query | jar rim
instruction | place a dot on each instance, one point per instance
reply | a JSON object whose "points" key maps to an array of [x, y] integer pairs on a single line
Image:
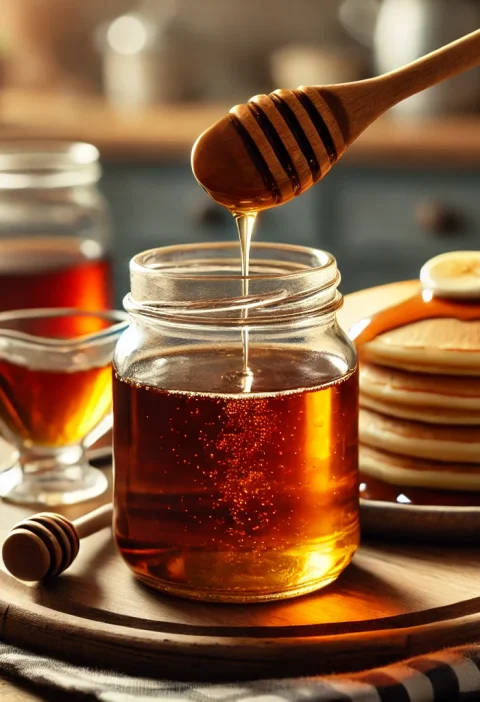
{"points": [[28, 164], [202, 283], [139, 262]]}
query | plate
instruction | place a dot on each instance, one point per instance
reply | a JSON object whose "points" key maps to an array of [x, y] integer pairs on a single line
{"points": [[420, 522]]}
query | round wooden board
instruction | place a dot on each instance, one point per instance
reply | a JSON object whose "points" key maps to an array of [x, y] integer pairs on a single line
{"points": [[395, 600]]}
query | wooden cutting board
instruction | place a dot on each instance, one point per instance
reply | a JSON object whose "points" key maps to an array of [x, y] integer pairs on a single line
{"points": [[394, 601]]}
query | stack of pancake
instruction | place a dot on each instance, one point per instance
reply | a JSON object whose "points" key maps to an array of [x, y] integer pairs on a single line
{"points": [[420, 406]]}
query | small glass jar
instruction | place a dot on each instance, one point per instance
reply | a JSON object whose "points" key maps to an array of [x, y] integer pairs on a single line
{"points": [[54, 227], [236, 474]]}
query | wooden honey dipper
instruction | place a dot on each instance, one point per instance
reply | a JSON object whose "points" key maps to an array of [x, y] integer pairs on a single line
{"points": [[46, 544], [277, 146]]}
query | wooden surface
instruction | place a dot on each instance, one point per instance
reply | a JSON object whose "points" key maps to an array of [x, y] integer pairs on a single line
{"points": [[395, 600], [168, 132]]}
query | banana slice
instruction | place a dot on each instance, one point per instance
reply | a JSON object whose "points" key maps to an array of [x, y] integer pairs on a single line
{"points": [[455, 274]]}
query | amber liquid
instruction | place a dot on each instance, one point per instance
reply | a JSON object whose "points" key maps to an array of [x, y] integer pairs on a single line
{"points": [[53, 272], [46, 408], [236, 496], [43, 407], [245, 225], [420, 306]]}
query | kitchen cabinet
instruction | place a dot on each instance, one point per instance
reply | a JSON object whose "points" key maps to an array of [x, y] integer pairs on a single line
{"points": [[381, 223], [403, 192]]}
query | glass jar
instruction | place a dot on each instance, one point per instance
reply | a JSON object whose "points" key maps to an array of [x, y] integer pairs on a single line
{"points": [[236, 478], [54, 227]]}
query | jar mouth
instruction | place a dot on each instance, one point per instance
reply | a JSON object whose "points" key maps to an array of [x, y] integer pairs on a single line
{"points": [[203, 283], [48, 164], [181, 260]]}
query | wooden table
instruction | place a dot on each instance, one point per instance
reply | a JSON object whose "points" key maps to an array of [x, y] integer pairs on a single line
{"points": [[356, 306]]}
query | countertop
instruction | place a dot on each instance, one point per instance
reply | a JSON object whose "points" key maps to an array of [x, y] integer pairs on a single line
{"points": [[167, 133], [356, 305]]}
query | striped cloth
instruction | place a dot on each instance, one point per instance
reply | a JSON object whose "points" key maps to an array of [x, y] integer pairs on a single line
{"points": [[446, 676]]}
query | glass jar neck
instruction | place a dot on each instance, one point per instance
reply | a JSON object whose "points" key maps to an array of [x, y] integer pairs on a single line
{"points": [[26, 166], [202, 285]]}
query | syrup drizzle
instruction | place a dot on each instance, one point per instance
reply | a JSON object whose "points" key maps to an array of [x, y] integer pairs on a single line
{"points": [[245, 225], [414, 309]]}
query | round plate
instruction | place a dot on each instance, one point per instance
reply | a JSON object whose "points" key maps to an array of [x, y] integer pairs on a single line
{"points": [[421, 522]]}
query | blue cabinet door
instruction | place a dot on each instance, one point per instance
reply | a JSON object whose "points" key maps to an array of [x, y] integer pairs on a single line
{"points": [[162, 204], [381, 224]]}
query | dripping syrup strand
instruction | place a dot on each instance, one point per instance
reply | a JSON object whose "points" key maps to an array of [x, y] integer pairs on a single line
{"points": [[245, 225]]}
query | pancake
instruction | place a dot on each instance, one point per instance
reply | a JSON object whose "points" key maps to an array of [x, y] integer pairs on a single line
{"points": [[414, 472], [430, 415], [419, 440], [440, 346], [398, 387]]}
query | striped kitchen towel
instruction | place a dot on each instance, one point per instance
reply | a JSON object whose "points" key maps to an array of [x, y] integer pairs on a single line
{"points": [[446, 676]]}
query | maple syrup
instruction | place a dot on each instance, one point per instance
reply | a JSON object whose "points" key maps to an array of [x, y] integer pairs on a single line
{"points": [[45, 272], [236, 496], [42, 405], [245, 225], [414, 309], [48, 408]]}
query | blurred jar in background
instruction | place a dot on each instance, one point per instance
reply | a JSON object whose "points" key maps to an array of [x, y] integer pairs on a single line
{"points": [[149, 56], [54, 228]]}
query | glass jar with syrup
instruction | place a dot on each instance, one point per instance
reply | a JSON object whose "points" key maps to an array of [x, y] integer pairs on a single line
{"points": [[54, 227], [235, 431]]}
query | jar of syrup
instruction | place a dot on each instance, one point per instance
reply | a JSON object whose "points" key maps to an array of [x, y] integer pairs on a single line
{"points": [[54, 227], [235, 424]]}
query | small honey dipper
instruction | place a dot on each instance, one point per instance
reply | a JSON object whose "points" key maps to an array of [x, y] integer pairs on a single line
{"points": [[277, 146], [46, 544]]}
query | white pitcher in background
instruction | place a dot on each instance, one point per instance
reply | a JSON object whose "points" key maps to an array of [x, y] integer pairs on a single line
{"points": [[400, 31]]}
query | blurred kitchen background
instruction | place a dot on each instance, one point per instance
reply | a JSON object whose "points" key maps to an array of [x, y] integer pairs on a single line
{"points": [[141, 80]]}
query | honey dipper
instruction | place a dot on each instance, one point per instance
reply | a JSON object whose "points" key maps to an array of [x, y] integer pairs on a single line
{"points": [[277, 146], [46, 544]]}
